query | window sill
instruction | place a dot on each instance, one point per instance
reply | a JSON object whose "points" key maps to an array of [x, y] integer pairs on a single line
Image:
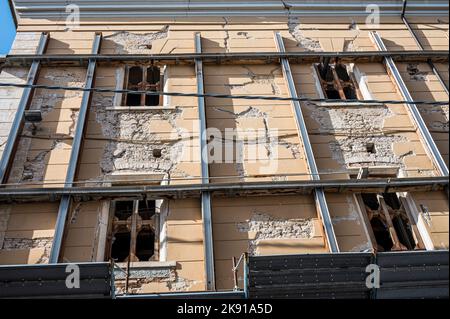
{"points": [[346, 104], [140, 108], [149, 265]]}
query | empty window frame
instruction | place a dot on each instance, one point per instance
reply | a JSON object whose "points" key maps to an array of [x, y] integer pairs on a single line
{"points": [[386, 216], [134, 234], [337, 82], [143, 78]]}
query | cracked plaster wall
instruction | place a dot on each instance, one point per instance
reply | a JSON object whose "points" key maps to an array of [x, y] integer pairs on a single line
{"points": [[262, 145], [11, 244], [136, 43], [131, 140], [31, 167], [355, 128], [264, 227], [147, 280]]}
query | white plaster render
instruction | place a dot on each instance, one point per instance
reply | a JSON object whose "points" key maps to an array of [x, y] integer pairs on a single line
{"points": [[263, 226]]}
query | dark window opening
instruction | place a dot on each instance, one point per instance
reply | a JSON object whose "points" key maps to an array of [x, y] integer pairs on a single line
{"points": [[133, 231], [144, 79], [147, 209], [145, 245], [389, 221], [371, 201], [123, 209], [120, 246], [404, 232], [336, 82], [382, 235]]}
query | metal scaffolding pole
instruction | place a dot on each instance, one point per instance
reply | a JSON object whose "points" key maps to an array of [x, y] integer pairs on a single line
{"points": [[74, 154], [303, 134], [205, 195], [413, 110], [416, 39], [24, 103], [226, 58]]}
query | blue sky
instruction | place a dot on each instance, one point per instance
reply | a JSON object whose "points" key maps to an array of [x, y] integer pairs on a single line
{"points": [[7, 29]]}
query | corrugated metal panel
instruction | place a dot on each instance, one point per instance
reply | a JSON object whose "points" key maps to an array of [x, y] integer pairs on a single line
{"points": [[413, 274], [47, 281], [340, 275]]}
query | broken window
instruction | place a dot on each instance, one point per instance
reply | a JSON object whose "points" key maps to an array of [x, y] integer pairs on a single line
{"points": [[143, 78], [337, 82], [134, 235], [387, 219]]}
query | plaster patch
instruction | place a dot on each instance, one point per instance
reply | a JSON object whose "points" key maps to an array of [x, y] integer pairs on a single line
{"points": [[264, 226]]}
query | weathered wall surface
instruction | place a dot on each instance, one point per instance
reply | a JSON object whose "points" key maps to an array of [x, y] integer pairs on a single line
{"points": [[122, 142], [28, 235], [437, 219], [43, 153], [263, 226]]}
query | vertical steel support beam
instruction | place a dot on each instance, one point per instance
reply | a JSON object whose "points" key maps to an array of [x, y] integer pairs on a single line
{"points": [[25, 101], [301, 126], [433, 151], [420, 46], [75, 154], [206, 196]]}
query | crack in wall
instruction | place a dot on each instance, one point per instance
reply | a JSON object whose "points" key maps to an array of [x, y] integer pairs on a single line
{"points": [[34, 168], [264, 79], [132, 141], [11, 244], [142, 278], [359, 127], [306, 43], [415, 74], [264, 226], [270, 142], [226, 39], [349, 44], [134, 43]]}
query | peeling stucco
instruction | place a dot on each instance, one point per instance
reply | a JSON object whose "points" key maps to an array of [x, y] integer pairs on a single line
{"points": [[306, 43], [262, 226], [135, 43], [142, 279], [132, 140], [355, 128], [26, 243]]}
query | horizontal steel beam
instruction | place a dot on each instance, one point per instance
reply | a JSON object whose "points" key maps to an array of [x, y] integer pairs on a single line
{"points": [[227, 190], [212, 8], [227, 58]]}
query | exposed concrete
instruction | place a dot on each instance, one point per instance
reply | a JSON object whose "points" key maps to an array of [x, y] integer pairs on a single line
{"points": [[26, 243], [132, 141], [415, 74], [5, 212], [302, 42], [31, 168], [141, 280], [359, 127], [263, 226], [135, 43]]}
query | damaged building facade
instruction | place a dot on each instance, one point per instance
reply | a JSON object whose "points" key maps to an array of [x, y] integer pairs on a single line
{"points": [[140, 192]]}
